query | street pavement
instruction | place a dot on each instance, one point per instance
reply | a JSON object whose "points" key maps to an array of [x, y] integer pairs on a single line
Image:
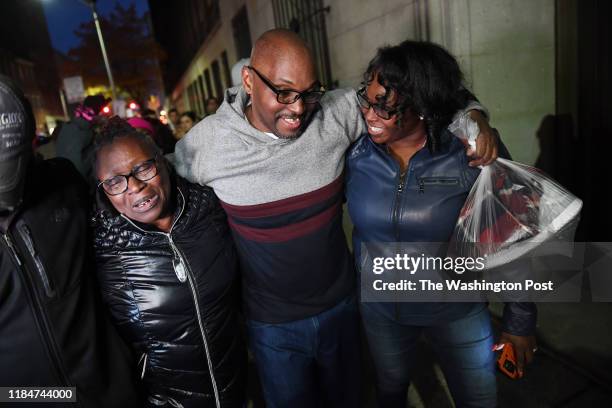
{"points": [[571, 368]]}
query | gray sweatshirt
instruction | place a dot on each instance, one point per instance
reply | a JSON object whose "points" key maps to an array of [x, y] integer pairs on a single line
{"points": [[245, 166]]}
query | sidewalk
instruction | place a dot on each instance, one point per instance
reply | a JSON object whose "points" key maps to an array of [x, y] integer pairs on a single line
{"points": [[571, 368]]}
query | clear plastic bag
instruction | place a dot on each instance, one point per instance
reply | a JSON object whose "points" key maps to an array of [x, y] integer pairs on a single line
{"points": [[511, 210]]}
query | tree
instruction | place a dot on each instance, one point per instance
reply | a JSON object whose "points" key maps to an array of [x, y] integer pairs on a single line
{"points": [[131, 49]]}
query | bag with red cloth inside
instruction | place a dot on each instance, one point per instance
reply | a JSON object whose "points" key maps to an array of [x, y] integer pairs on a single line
{"points": [[511, 210]]}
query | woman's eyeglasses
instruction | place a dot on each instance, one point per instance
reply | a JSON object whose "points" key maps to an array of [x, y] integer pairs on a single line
{"points": [[119, 184], [380, 110]]}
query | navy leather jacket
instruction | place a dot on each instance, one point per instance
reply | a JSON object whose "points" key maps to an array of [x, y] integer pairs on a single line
{"points": [[421, 205]]}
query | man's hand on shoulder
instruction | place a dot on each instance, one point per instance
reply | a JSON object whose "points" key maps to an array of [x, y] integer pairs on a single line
{"points": [[487, 142]]}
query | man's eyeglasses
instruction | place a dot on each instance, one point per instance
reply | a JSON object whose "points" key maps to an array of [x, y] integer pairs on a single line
{"points": [[119, 184], [380, 110], [289, 96]]}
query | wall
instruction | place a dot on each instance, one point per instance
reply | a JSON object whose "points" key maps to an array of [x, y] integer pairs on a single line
{"points": [[506, 49], [261, 17], [356, 28]]}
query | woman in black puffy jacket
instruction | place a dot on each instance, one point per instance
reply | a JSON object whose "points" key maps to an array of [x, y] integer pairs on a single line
{"points": [[168, 272]]}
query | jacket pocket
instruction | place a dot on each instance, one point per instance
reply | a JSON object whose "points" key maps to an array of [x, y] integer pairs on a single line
{"points": [[156, 400], [425, 182], [143, 362], [26, 235]]}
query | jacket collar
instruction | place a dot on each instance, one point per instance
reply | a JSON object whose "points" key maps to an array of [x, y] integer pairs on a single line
{"points": [[445, 141], [112, 218], [180, 208]]}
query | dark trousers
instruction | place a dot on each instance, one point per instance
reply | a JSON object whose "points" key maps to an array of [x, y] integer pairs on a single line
{"points": [[463, 347], [313, 362]]}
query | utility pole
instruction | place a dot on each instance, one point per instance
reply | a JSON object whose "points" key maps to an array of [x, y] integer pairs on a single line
{"points": [[91, 4]]}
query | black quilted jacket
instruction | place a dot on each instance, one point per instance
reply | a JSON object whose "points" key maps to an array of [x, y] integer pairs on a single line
{"points": [[174, 298]]}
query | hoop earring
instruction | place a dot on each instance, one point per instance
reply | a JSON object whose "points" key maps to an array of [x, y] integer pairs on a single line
{"points": [[421, 117]]}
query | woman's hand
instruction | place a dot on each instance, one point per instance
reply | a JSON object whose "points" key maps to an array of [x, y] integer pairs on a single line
{"points": [[524, 348], [486, 142]]}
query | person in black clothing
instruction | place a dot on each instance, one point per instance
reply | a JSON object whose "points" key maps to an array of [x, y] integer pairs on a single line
{"points": [[53, 329], [168, 270], [75, 139]]}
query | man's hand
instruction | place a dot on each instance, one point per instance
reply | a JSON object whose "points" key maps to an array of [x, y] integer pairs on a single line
{"points": [[524, 347], [486, 142]]}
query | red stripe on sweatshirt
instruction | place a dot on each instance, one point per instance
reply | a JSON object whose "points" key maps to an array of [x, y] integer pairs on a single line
{"points": [[285, 205], [288, 232]]}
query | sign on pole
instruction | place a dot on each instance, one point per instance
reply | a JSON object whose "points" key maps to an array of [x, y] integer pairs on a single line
{"points": [[119, 108], [75, 91]]}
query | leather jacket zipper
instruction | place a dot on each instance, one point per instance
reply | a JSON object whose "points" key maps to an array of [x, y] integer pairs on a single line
{"points": [[11, 247], [398, 198], [396, 212], [183, 273], [40, 317]]}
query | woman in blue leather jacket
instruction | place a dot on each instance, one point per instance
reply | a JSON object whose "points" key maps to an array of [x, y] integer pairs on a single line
{"points": [[407, 181]]}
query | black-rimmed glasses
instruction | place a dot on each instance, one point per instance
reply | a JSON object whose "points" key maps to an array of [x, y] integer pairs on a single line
{"points": [[289, 96], [119, 184], [380, 110]]}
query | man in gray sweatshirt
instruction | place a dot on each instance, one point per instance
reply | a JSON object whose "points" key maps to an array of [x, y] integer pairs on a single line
{"points": [[274, 154]]}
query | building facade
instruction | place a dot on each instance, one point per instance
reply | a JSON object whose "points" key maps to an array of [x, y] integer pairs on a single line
{"points": [[506, 48]]}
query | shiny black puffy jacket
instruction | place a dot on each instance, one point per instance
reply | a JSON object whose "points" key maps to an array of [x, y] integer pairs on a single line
{"points": [[174, 298]]}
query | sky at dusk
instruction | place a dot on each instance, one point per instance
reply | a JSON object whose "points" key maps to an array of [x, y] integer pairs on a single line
{"points": [[64, 16]]}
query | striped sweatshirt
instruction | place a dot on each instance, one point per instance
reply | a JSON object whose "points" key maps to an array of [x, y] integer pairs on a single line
{"points": [[283, 198]]}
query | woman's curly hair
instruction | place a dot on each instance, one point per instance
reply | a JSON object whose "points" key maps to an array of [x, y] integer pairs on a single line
{"points": [[427, 80], [116, 128]]}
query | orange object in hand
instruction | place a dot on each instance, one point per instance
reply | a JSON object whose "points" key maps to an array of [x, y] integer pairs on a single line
{"points": [[507, 361]]}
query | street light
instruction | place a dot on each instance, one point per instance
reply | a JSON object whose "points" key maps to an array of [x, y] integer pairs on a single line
{"points": [[91, 4]]}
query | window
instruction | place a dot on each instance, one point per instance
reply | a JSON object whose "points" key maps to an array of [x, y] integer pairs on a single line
{"points": [[190, 97], [307, 19], [226, 70], [209, 89], [217, 78], [242, 33], [201, 88], [199, 103]]}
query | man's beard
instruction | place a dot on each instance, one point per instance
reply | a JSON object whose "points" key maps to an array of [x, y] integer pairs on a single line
{"points": [[304, 122]]}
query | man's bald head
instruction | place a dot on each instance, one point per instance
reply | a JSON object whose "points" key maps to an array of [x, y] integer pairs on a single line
{"points": [[280, 61], [280, 45]]}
